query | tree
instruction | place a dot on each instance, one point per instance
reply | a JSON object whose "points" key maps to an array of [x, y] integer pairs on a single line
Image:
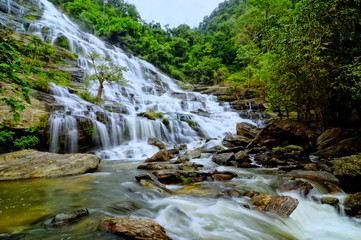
{"points": [[104, 73]]}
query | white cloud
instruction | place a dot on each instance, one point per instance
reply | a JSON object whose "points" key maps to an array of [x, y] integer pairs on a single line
{"points": [[175, 12]]}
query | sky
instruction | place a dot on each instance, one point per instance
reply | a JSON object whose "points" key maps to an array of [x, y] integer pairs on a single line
{"points": [[175, 12]]}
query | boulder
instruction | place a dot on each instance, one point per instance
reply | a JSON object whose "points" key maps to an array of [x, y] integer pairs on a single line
{"points": [[247, 130], [156, 142], [236, 141], [241, 156], [34, 164], [352, 205], [281, 205], [161, 156], [317, 176], [286, 132], [193, 154], [348, 171], [342, 148], [223, 176], [151, 182], [223, 159], [134, 228], [179, 176], [334, 202], [300, 186], [68, 218], [328, 138]]}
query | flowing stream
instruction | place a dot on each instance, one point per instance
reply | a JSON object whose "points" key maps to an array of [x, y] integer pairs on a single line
{"points": [[120, 139]]}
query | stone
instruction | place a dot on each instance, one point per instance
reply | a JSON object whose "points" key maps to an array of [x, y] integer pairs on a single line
{"points": [[328, 137], [241, 156], [334, 202], [134, 228], [236, 140], [193, 154], [223, 159], [213, 149], [151, 182], [352, 205], [29, 117], [286, 132], [317, 176], [348, 171], [342, 148], [68, 218], [247, 130], [179, 176], [300, 186], [156, 142], [223, 176], [281, 205], [34, 164], [161, 156]]}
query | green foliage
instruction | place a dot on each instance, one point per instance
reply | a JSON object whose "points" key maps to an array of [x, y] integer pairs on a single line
{"points": [[85, 95], [12, 141], [104, 73], [62, 42]]}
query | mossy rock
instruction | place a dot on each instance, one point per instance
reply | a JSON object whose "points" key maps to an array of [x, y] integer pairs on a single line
{"points": [[62, 42]]}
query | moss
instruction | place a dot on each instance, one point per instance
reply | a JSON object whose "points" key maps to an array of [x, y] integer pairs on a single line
{"points": [[151, 114], [62, 42], [31, 18]]}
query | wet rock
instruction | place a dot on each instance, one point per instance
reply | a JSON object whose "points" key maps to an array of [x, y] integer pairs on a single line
{"points": [[286, 132], [334, 202], [33, 164], [352, 205], [247, 130], [189, 166], [193, 154], [179, 176], [173, 152], [150, 114], [236, 141], [69, 218], [161, 156], [232, 193], [301, 186], [332, 188], [223, 176], [281, 205], [241, 156], [250, 194], [157, 166], [317, 176], [156, 142], [223, 159], [182, 159], [348, 171], [134, 228], [151, 182], [213, 149]]}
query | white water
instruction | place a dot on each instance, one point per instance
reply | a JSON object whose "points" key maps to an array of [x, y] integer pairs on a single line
{"points": [[124, 135]]}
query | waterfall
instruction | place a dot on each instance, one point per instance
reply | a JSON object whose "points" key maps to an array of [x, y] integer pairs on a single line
{"points": [[9, 6], [188, 115]]}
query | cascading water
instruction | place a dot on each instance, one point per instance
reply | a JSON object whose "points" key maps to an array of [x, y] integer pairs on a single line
{"points": [[120, 137], [147, 89]]}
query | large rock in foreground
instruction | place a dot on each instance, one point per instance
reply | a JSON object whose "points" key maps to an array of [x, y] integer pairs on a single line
{"points": [[33, 164], [134, 228], [352, 205]]}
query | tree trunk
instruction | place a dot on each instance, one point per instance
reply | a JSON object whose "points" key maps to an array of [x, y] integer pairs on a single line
{"points": [[99, 95]]}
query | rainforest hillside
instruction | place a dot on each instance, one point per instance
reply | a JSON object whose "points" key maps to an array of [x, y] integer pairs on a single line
{"points": [[303, 56]]}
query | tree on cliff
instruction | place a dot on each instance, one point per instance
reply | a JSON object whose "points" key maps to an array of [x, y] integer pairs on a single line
{"points": [[104, 73]]}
